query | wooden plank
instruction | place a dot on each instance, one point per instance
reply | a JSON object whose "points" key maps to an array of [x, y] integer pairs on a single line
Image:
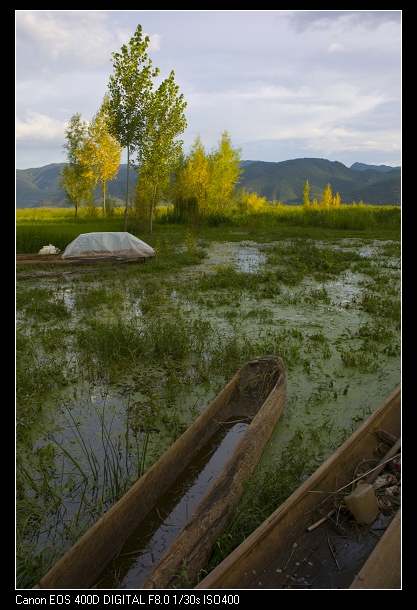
{"points": [[383, 568], [56, 259]]}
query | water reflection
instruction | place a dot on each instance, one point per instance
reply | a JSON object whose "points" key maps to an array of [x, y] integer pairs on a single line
{"points": [[147, 544]]}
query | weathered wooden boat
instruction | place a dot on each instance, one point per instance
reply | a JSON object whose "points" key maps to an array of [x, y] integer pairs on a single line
{"points": [[256, 393], [312, 541], [57, 260]]}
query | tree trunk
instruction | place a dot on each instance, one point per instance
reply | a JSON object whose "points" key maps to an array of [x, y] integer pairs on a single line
{"points": [[127, 189], [152, 207], [103, 186]]}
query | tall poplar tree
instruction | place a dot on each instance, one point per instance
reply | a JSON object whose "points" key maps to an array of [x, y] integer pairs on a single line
{"points": [[75, 178], [192, 177], [101, 152], [306, 195], [225, 173], [160, 148], [130, 94], [327, 197], [337, 201]]}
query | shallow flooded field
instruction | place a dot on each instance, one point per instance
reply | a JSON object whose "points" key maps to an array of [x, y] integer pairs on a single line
{"points": [[114, 364]]}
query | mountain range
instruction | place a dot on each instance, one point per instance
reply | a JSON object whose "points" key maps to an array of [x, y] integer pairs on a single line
{"points": [[283, 181]]}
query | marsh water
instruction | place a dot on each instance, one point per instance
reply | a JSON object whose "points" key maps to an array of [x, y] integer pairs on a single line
{"points": [[337, 330]]}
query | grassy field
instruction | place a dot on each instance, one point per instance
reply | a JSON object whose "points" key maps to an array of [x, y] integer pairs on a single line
{"points": [[41, 226], [114, 362]]}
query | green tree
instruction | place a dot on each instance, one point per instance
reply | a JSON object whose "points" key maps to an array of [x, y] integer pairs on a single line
{"points": [[225, 173], [250, 202], [191, 176], [160, 148], [130, 95], [186, 207], [101, 152], [176, 187], [143, 196], [208, 179], [306, 195], [75, 178]]}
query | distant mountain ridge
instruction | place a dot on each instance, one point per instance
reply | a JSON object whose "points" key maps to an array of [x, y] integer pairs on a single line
{"points": [[379, 168], [40, 186], [283, 181]]}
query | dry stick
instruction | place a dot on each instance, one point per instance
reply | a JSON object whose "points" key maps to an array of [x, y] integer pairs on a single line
{"points": [[331, 550], [320, 521], [294, 546], [337, 525], [388, 456], [379, 468]]}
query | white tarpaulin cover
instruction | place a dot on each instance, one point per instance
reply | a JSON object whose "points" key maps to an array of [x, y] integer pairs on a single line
{"points": [[108, 245]]}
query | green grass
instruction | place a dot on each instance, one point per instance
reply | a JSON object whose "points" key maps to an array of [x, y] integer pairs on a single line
{"points": [[40, 226], [114, 362]]}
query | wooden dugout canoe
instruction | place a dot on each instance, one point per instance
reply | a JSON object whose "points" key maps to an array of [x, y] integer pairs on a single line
{"points": [[283, 553], [258, 391], [57, 260]]}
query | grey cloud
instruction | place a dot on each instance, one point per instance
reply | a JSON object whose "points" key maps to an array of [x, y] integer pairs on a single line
{"points": [[300, 21]]}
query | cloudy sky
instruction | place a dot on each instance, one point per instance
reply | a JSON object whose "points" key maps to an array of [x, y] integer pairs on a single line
{"points": [[283, 84]]}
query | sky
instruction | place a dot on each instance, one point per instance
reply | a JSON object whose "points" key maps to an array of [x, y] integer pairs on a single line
{"points": [[283, 84]]}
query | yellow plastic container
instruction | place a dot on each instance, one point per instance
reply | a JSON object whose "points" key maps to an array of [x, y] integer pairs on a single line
{"points": [[363, 504]]}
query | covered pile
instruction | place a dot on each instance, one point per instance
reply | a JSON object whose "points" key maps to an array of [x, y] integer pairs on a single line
{"points": [[113, 245]]}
